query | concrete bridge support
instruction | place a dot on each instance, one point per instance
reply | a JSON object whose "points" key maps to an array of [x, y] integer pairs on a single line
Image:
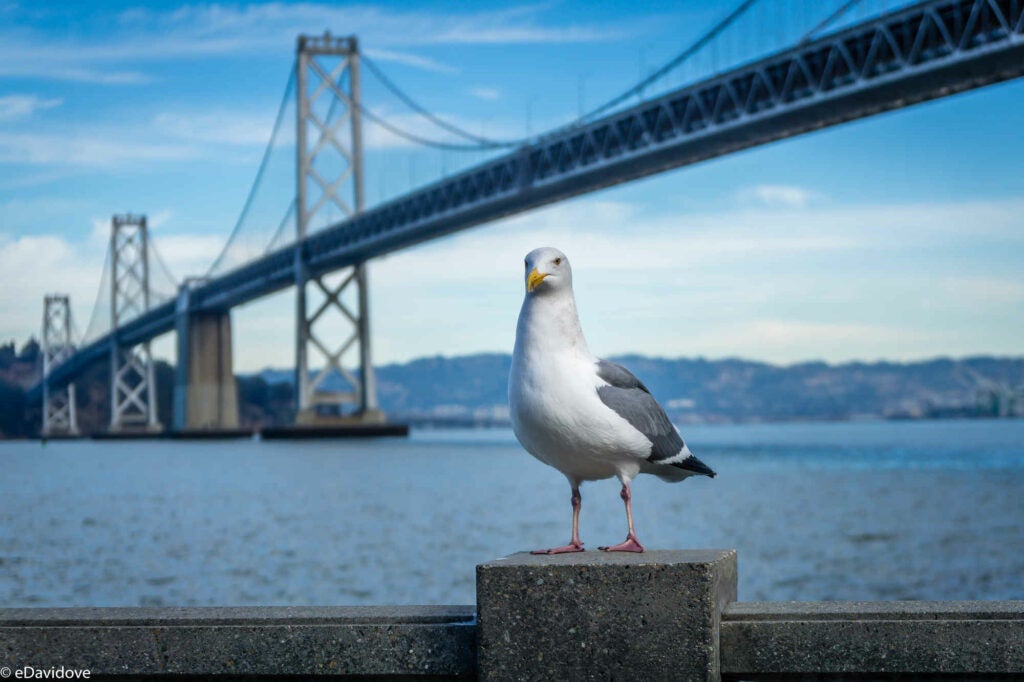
{"points": [[205, 393]]}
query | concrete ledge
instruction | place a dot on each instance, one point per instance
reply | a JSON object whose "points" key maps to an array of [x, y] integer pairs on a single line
{"points": [[872, 640], [421, 641], [600, 616], [589, 616]]}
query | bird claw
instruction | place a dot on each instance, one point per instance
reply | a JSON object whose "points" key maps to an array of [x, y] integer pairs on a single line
{"points": [[566, 549], [631, 544]]}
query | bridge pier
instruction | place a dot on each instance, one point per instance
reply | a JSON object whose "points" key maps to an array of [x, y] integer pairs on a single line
{"points": [[205, 393]]}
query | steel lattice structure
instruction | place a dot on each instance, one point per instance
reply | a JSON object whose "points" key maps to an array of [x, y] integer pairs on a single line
{"points": [[59, 418], [321, 151], [132, 387], [928, 50]]}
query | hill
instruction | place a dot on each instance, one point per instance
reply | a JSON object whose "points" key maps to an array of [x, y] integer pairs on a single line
{"points": [[471, 390], [474, 388]]}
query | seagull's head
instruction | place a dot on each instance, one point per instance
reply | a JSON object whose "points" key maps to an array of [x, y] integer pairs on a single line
{"points": [[547, 270]]}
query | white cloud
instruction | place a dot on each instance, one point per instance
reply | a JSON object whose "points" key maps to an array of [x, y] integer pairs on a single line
{"points": [[984, 290], [186, 135], [591, 232], [32, 179], [188, 255], [91, 148], [785, 196], [158, 218], [772, 284], [787, 341], [224, 27], [48, 69], [777, 284], [170, 136], [489, 94], [142, 34], [409, 59], [787, 332], [222, 127], [24, 106], [35, 265]]}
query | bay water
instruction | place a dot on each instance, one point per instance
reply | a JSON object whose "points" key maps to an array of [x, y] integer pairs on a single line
{"points": [[820, 511]]}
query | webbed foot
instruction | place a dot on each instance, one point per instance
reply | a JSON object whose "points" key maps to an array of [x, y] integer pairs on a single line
{"points": [[571, 547], [631, 544]]}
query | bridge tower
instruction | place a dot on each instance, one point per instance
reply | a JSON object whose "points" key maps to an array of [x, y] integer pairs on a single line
{"points": [[59, 417], [132, 385], [330, 178]]}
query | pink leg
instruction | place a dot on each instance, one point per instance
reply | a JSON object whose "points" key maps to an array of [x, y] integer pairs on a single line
{"points": [[575, 545], [631, 543]]}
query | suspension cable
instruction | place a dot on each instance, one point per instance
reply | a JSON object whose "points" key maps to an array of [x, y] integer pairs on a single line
{"points": [[161, 262], [484, 142], [418, 139], [93, 317], [75, 332], [694, 47], [259, 173], [829, 20], [280, 227]]}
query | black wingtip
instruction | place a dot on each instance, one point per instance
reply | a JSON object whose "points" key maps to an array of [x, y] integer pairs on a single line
{"points": [[693, 464]]}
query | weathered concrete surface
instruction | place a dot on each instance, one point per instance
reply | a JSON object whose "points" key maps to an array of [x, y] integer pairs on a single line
{"points": [[764, 640], [206, 396], [598, 616], [300, 641]]}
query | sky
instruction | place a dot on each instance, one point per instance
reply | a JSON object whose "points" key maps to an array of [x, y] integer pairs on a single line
{"points": [[896, 237]]}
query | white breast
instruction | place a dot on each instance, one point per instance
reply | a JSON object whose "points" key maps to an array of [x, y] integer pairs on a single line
{"points": [[554, 406]]}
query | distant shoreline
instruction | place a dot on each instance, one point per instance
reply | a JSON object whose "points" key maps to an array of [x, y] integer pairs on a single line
{"points": [[455, 424]]}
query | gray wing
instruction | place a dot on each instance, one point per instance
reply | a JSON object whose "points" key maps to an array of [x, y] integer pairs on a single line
{"points": [[630, 399]]}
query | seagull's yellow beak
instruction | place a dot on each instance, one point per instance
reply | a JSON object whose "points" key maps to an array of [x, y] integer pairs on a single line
{"points": [[533, 279]]}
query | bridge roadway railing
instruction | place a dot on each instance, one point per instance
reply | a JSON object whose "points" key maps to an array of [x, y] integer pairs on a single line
{"points": [[663, 615], [931, 49]]}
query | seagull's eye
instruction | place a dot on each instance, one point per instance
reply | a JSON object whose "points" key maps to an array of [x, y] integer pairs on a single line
{"points": [[558, 261]]}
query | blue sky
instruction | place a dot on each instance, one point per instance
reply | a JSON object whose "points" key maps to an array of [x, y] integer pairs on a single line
{"points": [[899, 236]]}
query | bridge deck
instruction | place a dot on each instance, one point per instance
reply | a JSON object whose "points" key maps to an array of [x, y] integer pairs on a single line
{"points": [[929, 50]]}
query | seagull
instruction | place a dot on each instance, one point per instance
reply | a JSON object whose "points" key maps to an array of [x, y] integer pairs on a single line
{"points": [[589, 418]]}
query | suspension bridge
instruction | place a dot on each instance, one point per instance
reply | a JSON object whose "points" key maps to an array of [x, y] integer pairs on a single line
{"points": [[826, 75]]}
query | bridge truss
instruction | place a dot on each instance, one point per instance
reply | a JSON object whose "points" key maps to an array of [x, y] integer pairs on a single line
{"points": [[132, 386], [331, 166], [59, 418]]}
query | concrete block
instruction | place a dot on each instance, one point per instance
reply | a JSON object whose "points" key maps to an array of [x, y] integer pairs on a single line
{"points": [[795, 640], [209, 642], [600, 616]]}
